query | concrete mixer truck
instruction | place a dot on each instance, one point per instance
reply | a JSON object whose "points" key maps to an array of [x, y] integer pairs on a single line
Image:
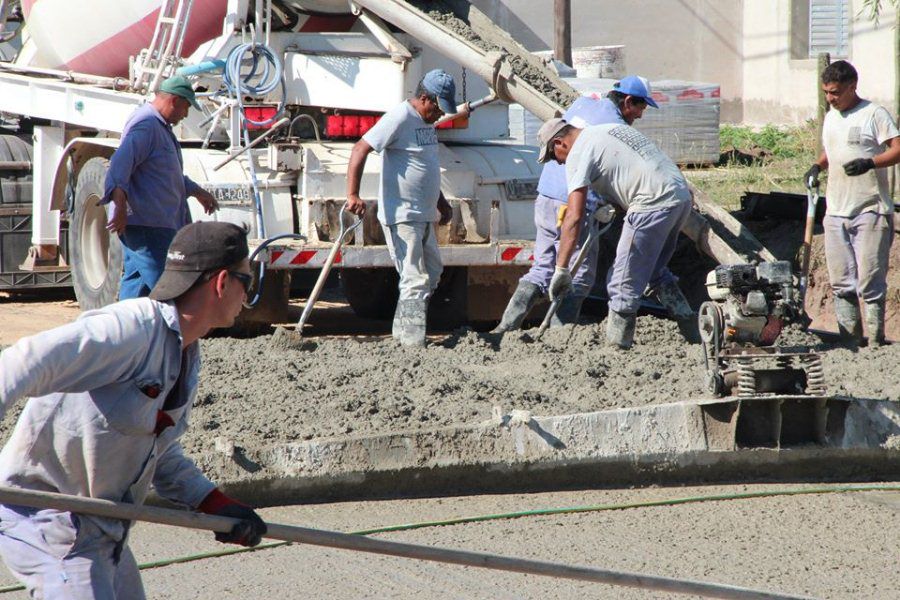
{"points": [[287, 87]]}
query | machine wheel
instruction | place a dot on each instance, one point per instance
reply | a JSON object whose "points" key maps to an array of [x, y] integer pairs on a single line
{"points": [[95, 255], [372, 293]]}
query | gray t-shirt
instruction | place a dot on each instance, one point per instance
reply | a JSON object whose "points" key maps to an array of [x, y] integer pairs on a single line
{"points": [[410, 168], [619, 162], [861, 132]]}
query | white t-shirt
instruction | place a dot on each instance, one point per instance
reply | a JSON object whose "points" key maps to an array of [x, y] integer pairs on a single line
{"points": [[619, 162], [861, 132], [410, 169]]}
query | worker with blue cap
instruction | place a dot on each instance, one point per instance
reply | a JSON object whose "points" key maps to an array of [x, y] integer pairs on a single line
{"points": [[619, 162], [624, 104], [410, 199]]}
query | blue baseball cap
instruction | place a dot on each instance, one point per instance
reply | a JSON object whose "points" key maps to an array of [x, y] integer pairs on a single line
{"points": [[636, 86], [440, 84]]}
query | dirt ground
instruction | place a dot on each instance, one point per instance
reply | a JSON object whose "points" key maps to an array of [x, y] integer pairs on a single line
{"points": [[22, 315]]}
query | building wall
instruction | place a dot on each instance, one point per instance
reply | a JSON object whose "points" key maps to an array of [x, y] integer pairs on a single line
{"points": [[692, 40], [778, 88]]}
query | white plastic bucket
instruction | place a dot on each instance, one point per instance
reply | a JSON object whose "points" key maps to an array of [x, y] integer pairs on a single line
{"points": [[599, 61]]}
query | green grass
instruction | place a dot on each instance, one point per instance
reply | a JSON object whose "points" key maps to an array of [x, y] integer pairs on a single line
{"points": [[759, 160]]}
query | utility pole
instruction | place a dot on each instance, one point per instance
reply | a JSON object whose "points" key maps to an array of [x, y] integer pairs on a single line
{"points": [[562, 31], [824, 61]]}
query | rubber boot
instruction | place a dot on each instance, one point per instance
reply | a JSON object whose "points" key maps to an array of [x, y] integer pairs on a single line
{"points": [[620, 329], [523, 300], [875, 322], [409, 322], [670, 296], [568, 311], [846, 310]]}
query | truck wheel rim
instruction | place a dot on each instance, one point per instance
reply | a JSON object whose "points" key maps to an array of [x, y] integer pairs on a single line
{"points": [[94, 243]]}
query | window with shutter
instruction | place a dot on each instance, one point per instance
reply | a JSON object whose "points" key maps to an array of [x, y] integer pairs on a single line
{"points": [[829, 28]]}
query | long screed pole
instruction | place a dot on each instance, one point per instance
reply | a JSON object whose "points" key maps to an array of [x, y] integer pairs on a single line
{"points": [[331, 539]]}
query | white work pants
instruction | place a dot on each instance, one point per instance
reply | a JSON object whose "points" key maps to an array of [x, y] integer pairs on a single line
{"points": [[61, 557], [857, 251], [414, 250]]}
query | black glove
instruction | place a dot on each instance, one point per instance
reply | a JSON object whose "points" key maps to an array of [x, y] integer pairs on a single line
{"points": [[811, 177], [248, 532], [858, 166]]}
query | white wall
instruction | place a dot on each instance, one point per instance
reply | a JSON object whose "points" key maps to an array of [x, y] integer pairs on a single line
{"points": [[693, 40], [783, 90]]}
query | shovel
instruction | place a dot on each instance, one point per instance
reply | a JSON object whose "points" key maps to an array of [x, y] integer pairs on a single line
{"points": [[604, 215], [812, 199], [294, 337]]}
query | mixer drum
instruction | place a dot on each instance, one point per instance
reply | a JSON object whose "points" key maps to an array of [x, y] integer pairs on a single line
{"points": [[98, 36]]}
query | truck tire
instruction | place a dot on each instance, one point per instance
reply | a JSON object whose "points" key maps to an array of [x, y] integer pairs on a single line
{"points": [[95, 256], [371, 293]]}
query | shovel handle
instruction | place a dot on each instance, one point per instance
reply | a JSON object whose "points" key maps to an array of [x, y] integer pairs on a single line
{"points": [[326, 268]]}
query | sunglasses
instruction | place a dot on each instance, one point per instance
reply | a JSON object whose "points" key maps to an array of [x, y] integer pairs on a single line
{"points": [[245, 278]]}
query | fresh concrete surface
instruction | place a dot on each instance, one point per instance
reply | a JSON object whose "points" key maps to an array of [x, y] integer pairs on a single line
{"points": [[824, 546]]}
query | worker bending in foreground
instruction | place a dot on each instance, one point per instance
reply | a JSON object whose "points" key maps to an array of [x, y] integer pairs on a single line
{"points": [[410, 198], [618, 162], [860, 142], [624, 104], [110, 396], [147, 188]]}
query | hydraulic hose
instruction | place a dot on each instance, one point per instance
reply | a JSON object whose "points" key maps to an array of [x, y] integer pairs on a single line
{"points": [[530, 513], [262, 270], [264, 75]]}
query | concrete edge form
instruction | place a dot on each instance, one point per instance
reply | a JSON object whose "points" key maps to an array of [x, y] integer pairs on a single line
{"points": [[788, 438]]}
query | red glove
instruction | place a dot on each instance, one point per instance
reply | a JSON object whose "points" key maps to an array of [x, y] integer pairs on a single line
{"points": [[248, 532]]}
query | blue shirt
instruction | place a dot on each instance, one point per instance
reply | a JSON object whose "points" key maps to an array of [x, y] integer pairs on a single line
{"points": [[584, 112], [149, 168]]}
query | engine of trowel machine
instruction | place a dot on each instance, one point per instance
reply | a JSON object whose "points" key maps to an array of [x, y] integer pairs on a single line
{"points": [[755, 301]]}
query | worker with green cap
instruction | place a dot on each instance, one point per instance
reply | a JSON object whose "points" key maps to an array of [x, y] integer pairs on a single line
{"points": [[146, 188]]}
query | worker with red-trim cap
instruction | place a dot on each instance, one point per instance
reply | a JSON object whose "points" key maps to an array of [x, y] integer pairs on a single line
{"points": [[109, 399]]}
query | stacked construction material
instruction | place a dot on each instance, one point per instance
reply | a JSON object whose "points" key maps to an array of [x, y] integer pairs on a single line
{"points": [[685, 127]]}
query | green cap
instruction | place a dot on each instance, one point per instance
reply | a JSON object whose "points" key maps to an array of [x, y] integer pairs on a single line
{"points": [[180, 86]]}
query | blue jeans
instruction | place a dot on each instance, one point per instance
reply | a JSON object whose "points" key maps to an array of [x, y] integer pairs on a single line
{"points": [[145, 257]]}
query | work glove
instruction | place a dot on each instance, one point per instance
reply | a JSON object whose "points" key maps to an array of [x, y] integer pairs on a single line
{"points": [[248, 532], [858, 166], [605, 213], [811, 177], [561, 284]]}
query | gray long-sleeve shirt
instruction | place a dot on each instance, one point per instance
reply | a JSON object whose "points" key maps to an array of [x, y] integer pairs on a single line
{"points": [[96, 388]]}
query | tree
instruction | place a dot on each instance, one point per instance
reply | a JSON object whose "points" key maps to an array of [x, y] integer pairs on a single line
{"points": [[875, 7]]}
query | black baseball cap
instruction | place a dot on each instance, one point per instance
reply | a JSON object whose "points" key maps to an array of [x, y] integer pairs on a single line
{"points": [[198, 248]]}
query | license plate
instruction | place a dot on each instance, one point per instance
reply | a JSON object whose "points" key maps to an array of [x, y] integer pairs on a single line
{"points": [[230, 193]]}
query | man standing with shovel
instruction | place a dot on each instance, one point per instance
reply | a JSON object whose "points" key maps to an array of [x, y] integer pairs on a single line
{"points": [[410, 198], [860, 141], [110, 396]]}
